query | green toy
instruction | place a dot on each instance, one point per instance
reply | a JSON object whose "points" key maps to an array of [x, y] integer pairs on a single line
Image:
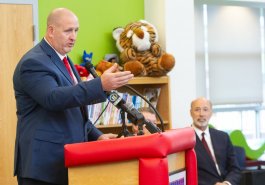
{"points": [[238, 139]]}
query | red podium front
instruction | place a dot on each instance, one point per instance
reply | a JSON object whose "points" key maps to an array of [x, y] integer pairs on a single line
{"points": [[157, 159]]}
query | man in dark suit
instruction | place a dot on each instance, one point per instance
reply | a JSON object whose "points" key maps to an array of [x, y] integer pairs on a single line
{"points": [[216, 160], [51, 103]]}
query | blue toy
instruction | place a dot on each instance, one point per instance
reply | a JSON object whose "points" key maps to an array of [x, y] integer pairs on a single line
{"points": [[87, 57]]}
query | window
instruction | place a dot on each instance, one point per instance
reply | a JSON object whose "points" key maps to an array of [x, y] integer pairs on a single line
{"points": [[230, 65], [262, 124]]}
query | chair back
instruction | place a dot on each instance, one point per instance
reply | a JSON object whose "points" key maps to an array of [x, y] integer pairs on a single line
{"points": [[240, 156]]}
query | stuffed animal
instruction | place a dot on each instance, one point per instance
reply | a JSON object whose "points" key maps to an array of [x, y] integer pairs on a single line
{"points": [[87, 57], [102, 66], [139, 51], [83, 73], [108, 61]]}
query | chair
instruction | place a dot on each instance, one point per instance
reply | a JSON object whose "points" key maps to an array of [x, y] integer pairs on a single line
{"points": [[246, 163], [250, 175], [240, 156]]}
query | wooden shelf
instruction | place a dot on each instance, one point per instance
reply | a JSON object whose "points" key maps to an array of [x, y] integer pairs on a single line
{"points": [[119, 125], [149, 80]]}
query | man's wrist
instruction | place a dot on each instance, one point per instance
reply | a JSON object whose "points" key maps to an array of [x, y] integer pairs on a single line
{"points": [[227, 183]]}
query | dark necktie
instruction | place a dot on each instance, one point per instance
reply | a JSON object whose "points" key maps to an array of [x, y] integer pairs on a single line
{"points": [[206, 146], [67, 65]]}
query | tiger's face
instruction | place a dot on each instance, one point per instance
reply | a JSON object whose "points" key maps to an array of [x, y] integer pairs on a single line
{"points": [[138, 35]]}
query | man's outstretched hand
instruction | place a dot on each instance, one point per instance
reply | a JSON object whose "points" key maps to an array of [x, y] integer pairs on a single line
{"points": [[112, 78]]}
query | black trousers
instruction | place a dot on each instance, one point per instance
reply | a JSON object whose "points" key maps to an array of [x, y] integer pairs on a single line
{"points": [[28, 181]]}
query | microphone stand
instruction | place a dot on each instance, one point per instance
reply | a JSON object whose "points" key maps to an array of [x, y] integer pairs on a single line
{"points": [[124, 131], [140, 129]]}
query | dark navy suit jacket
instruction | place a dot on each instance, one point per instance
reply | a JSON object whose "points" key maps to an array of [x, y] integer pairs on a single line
{"points": [[225, 156], [49, 115]]}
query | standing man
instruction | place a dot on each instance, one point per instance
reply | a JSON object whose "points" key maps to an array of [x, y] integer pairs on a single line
{"points": [[51, 103], [216, 160]]}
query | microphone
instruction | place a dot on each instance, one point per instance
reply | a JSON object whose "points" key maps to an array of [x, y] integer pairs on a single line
{"points": [[132, 114], [89, 67], [138, 118]]}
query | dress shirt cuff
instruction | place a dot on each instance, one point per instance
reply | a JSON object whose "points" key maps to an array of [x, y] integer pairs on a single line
{"points": [[228, 183]]}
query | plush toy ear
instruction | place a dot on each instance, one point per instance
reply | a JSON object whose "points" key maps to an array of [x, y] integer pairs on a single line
{"points": [[117, 32]]}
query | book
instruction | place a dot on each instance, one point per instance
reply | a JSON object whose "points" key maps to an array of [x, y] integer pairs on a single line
{"points": [[111, 115]]}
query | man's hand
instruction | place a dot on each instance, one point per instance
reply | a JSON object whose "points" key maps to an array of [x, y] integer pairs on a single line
{"points": [[112, 78], [107, 136]]}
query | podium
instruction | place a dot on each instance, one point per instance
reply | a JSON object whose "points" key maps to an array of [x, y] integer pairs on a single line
{"points": [[157, 159]]}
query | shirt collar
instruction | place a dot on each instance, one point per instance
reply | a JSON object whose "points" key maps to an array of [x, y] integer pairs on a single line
{"points": [[61, 56], [199, 132]]}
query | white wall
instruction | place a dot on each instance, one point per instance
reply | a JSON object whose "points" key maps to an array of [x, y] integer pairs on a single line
{"points": [[175, 23]]}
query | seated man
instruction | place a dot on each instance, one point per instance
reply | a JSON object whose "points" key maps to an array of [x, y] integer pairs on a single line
{"points": [[149, 115], [216, 160]]}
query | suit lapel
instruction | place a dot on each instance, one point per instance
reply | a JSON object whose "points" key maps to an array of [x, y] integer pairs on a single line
{"points": [[214, 143], [62, 68], [74, 70], [83, 108], [206, 156], [203, 150], [56, 59], [214, 139]]}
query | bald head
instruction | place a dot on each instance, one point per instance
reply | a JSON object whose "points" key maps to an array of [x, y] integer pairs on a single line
{"points": [[62, 28], [201, 99], [201, 112], [57, 15]]}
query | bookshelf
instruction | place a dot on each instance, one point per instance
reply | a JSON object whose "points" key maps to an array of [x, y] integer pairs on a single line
{"points": [[163, 104]]}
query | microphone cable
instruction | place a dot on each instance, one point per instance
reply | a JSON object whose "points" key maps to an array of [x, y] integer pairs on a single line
{"points": [[101, 113], [149, 103]]}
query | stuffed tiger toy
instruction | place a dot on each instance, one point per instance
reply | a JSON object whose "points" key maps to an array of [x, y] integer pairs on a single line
{"points": [[139, 51]]}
